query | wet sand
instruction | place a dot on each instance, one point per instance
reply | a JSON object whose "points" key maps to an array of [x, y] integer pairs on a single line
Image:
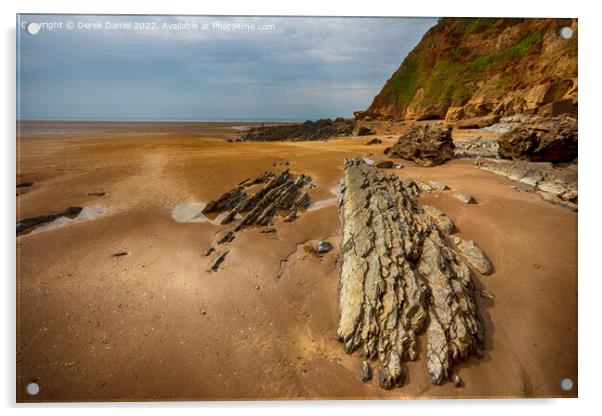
{"points": [[156, 325]]}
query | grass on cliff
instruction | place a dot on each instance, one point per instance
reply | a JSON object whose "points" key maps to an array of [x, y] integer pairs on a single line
{"points": [[450, 80]]}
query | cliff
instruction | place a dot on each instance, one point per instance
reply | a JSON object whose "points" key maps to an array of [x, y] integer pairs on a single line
{"points": [[471, 67]]}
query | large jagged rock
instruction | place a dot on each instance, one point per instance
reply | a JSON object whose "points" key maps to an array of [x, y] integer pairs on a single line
{"points": [[543, 140], [279, 193], [400, 277], [425, 144]]}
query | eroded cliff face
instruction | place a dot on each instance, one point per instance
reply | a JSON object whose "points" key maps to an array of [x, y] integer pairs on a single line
{"points": [[472, 67]]}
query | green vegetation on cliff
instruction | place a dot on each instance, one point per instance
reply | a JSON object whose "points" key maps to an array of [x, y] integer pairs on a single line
{"points": [[457, 56]]}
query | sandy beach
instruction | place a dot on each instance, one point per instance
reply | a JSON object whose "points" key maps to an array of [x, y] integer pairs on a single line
{"points": [[155, 324]]}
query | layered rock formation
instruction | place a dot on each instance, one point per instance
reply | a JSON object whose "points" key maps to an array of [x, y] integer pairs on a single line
{"points": [[541, 140], [427, 145], [554, 183], [399, 278], [482, 68], [279, 193], [309, 130]]}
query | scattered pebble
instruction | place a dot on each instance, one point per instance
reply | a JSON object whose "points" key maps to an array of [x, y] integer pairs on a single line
{"points": [[456, 380], [120, 254], [323, 247], [464, 197]]}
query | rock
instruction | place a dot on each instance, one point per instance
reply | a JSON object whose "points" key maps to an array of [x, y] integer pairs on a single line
{"points": [[309, 130], [478, 122], [323, 247], [464, 197], [552, 187], [120, 254], [476, 147], [25, 185], [226, 238], [400, 278], [440, 186], [554, 183], [209, 251], [550, 139], [427, 145], [486, 294], [364, 131], [387, 150], [292, 216], [376, 140], [474, 255], [385, 164], [443, 221], [279, 193], [366, 372], [218, 260], [26, 225], [456, 380], [96, 194]]}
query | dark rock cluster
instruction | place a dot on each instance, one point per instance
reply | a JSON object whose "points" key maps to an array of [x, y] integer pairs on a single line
{"points": [[309, 130]]}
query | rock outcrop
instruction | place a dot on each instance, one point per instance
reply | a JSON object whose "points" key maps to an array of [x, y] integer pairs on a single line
{"points": [[554, 183], [476, 147], [27, 225], [425, 144], [541, 140], [279, 193], [309, 130], [399, 278], [479, 69]]}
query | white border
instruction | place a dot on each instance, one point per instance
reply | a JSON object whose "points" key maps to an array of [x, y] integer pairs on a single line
{"points": [[590, 290]]}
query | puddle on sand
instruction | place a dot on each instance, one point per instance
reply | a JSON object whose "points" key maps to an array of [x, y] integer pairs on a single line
{"points": [[87, 213], [193, 212], [334, 201]]}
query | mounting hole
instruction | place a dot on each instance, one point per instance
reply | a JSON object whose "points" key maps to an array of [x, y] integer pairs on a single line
{"points": [[33, 28], [566, 32], [32, 389], [566, 384]]}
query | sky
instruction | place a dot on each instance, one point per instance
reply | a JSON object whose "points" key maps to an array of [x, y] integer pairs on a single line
{"points": [[206, 67]]}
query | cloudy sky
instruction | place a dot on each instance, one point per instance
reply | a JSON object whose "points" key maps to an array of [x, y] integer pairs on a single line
{"points": [[245, 68]]}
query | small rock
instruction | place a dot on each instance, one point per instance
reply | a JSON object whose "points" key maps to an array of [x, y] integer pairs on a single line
{"points": [[569, 196], [385, 164], [218, 260], [376, 140], [474, 255], [456, 380], [323, 247], [368, 161], [438, 185], [120, 254], [25, 185], [96, 193], [268, 230], [464, 197], [486, 294], [209, 251], [366, 372], [227, 238]]}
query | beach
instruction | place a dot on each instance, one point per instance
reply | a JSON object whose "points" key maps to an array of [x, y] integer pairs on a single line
{"points": [[118, 304]]}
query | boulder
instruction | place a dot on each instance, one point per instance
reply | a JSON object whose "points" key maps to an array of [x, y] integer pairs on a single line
{"points": [[551, 139], [426, 144]]}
